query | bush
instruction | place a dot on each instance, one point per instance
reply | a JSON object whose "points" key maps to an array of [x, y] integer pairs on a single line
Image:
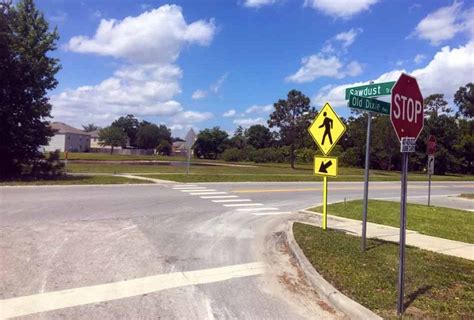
{"points": [[164, 148], [47, 168], [268, 155], [233, 154]]}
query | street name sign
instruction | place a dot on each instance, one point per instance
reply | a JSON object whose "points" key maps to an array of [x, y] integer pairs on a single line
{"points": [[406, 113], [325, 166], [326, 129], [368, 104], [371, 90]]}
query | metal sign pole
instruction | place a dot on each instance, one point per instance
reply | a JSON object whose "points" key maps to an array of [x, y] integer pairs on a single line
{"points": [[403, 224], [188, 160], [325, 202], [429, 189], [366, 182]]}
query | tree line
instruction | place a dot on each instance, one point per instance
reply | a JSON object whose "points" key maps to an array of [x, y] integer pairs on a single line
{"points": [[292, 143]]}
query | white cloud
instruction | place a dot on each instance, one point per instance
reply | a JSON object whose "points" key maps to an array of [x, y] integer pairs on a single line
{"points": [[229, 113], [259, 108], [216, 86], [199, 94], [258, 3], [419, 58], [340, 8], [189, 117], [155, 36], [442, 24], [247, 122], [317, 65], [347, 38], [445, 73]]}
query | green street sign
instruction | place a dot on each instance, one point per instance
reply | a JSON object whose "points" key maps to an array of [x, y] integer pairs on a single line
{"points": [[371, 90], [368, 104]]}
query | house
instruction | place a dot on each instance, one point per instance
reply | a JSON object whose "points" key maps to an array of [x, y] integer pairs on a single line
{"points": [[67, 138], [178, 148], [95, 139]]}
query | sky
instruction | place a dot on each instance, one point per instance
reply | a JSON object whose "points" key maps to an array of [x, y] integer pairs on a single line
{"points": [[205, 63]]}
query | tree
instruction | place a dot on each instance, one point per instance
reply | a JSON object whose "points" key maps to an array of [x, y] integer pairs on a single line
{"points": [[148, 136], [238, 141], [129, 124], [112, 136], [90, 127], [259, 136], [210, 143], [435, 104], [164, 148], [464, 99], [27, 74], [292, 116]]}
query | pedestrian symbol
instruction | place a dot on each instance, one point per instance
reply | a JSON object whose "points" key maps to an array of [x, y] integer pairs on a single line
{"points": [[327, 129]]}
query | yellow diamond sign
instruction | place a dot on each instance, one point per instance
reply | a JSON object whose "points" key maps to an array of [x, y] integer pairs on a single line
{"points": [[326, 129]]}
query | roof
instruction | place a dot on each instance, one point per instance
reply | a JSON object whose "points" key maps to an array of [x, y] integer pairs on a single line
{"points": [[179, 145], [61, 127], [94, 133]]}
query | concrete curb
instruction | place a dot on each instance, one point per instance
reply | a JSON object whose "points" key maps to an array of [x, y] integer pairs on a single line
{"points": [[348, 306]]}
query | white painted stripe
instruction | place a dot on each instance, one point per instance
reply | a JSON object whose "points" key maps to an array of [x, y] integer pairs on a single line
{"points": [[218, 197], [21, 306], [197, 190], [185, 185], [273, 213], [189, 188], [206, 193], [232, 200], [257, 209], [243, 205]]}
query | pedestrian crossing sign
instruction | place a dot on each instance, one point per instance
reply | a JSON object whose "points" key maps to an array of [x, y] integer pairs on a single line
{"points": [[326, 129]]}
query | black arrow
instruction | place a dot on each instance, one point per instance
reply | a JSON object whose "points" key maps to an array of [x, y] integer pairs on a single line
{"points": [[324, 166]]}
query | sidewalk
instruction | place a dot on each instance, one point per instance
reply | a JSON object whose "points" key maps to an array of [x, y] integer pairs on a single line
{"points": [[413, 238]]}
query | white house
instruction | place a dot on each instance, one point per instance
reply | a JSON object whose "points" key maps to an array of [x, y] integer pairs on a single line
{"points": [[67, 138]]}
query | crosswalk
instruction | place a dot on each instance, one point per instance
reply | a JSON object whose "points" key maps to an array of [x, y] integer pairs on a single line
{"points": [[229, 201]]}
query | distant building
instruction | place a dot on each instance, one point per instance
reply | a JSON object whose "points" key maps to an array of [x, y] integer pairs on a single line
{"points": [[67, 138], [178, 148], [95, 139]]}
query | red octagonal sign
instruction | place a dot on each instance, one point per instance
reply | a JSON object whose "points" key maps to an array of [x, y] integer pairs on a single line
{"points": [[406, 110]]}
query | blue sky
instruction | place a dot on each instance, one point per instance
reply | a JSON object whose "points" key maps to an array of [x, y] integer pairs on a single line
{"points": [[205, 63]]}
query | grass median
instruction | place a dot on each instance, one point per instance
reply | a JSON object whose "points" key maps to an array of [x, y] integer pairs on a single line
{"points": [[75, 180], [436, 286], [434, 221]]}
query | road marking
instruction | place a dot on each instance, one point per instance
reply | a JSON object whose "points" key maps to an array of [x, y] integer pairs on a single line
{"points": [[193, 190], [217, 197], [257, 209], [185, 185], [232, 200], [243, 205], [206, 193], [22, 306], [273, 213], [332, 188], [188, 188]]}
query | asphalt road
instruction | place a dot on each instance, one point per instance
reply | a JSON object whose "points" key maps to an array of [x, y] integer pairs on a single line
{"points": [[169, 251]]}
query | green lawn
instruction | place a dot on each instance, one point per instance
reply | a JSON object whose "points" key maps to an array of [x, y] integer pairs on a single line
{"points": [[117, 157], [434, 221], [259, 172], [437, 286], [70, 180]]}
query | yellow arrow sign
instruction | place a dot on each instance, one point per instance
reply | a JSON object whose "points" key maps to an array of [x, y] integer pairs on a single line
{"points": [[326, 129], [325, 166]]}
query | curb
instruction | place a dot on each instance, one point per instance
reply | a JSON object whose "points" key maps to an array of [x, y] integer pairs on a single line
{"points": [[346, 305]]}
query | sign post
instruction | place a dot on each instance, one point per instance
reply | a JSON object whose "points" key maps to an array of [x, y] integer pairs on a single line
{"points": [[66, 155], [430, 150], [407, 119], [358, 99], [326, 130], [189, 142]]}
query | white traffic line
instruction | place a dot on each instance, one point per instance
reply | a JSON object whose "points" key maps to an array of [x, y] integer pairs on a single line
{"points": [[272, 213], [243, 205], [188, 188], [197, 190], [257, 209], [206, 193], [232, 200], [185, 185], [217, 197], [22, 306]]}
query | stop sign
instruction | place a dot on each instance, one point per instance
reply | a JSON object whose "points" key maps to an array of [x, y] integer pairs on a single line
{"points": [[431, 145], [406, 110]]}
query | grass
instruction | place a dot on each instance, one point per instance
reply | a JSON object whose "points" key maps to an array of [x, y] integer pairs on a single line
{"points": [[117, 157], [259, 172], [437, 286], [74, 180], [434, 221], [467, 195]]}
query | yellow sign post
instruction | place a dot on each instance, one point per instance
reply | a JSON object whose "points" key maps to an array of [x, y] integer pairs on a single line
{"points": [[326, 130]]}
